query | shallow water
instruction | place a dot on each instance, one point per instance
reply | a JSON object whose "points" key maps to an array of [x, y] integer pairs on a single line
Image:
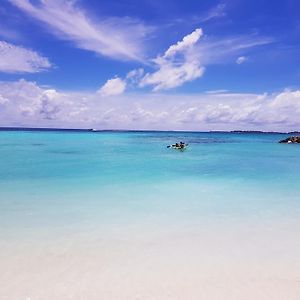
{"points": [[118, 215]]}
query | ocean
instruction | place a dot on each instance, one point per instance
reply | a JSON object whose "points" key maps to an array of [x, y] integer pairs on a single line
{"points": [[118, 215]]}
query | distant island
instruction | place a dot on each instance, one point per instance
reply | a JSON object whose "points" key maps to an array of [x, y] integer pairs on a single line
{"points": [[264, 132]]}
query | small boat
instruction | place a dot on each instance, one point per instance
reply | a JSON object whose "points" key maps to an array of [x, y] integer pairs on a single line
{"points": [[179, 146]]}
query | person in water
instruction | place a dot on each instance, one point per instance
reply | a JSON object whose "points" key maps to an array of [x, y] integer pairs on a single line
{"points": [[180, 145]]}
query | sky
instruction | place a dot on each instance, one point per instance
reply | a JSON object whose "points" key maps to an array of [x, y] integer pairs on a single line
{"points": [[150, 64]]}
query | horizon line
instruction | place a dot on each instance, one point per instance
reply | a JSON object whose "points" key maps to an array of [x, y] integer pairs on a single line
{"points": [[16, 128]]}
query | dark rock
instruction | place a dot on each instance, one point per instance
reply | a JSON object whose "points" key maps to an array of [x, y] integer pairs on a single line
{"points": [[291, 140]]}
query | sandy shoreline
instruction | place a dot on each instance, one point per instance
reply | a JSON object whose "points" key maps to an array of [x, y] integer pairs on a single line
{"points": [[215, 262]]}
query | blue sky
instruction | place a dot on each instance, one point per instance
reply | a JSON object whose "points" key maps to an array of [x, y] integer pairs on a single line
{"points": [[116, 50]]}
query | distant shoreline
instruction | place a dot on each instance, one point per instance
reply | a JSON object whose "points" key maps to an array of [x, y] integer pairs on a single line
{"points": [[135, 130]]}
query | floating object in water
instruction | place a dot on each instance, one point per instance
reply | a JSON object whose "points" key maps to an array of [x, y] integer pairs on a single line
{"points": [[291, 140], [178, 146]]}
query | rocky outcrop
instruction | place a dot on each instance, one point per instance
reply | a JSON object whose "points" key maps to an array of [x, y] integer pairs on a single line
{"points": [[291, 140]]}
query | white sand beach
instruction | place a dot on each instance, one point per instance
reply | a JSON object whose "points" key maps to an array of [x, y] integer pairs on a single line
{"points": [[226, 261]]}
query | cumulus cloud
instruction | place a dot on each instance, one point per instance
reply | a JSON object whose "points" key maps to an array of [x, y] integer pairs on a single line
{"points": [[24, 103], [112, 87], [119, 38], [241, 59], [178, 65], [187, 42], [186, 60], [14, 59]]}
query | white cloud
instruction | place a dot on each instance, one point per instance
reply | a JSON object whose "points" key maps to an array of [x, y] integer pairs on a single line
{"points": [[241, 59], [119, 38], [112, 87], [186, 60], [188, 41], [27, 104], [15, 59], [178, 65], [170, 76], [3, 100]]}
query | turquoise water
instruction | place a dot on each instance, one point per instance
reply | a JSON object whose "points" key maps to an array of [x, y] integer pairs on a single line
{"points": [[118, 215], [59, 180]]}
